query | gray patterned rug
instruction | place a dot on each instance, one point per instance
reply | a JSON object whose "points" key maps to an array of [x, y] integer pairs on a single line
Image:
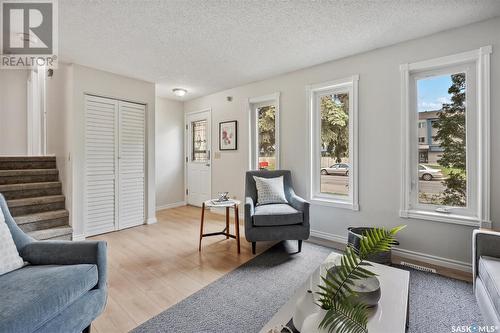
{"points": [[246, 298]]}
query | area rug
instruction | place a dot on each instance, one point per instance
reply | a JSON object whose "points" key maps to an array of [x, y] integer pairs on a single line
{"points": [[245, 299]]}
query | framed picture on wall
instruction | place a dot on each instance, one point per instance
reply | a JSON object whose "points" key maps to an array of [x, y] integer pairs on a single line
{"points": [[228, 135]]}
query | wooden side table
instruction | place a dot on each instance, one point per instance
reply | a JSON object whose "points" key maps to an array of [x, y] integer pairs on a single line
{"points": [[231, 204]]}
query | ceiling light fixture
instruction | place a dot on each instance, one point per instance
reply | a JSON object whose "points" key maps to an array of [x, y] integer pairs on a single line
{"points": [[179, 92]]}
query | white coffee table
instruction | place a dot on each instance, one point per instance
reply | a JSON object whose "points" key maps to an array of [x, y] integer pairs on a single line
{"points": [[389, 316]]}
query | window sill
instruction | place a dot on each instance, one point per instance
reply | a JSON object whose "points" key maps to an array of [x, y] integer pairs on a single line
{"points": [[445, 218], [335, 203]]}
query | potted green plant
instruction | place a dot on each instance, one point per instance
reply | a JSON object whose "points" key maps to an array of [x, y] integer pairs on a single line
{"points": [[343, 313]]}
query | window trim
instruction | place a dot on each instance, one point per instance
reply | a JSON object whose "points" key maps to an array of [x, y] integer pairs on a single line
{"points": [[481, 58], [349, 84], [253, 137]]}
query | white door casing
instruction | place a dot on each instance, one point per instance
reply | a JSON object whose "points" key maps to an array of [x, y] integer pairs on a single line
{"points": [[198, 162]]}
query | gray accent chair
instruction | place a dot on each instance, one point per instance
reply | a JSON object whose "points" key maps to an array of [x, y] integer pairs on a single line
{"points": [[275, 222], [62, 289], [486, 274]]}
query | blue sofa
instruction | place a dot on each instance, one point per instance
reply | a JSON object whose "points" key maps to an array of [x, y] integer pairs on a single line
{"points": [[62, 289], [486, 274]]}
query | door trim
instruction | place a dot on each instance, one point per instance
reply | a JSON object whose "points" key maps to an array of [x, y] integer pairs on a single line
{"points": [[186, 149]]}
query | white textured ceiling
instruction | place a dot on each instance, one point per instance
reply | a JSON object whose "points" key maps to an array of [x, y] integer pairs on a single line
{"points": [[208, 46]]}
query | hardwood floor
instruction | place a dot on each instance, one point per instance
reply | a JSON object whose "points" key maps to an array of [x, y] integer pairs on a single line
{"points": [[152, 267]]}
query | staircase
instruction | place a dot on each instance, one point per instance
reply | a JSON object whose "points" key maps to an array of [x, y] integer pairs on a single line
{"points": [[33, 192]]}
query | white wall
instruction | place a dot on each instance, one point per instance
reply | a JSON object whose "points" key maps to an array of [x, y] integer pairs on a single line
{"points": [[169, 153], [85, 80], [13, 111], [379, 138], [58, 122]]}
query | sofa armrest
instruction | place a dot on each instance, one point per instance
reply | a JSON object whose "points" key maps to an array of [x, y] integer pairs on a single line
{"points": [[298, 203], [68, 253], [301, 205], [484, 243], [249, 207]]}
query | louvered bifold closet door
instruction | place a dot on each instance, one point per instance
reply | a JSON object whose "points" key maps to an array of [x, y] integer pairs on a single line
{"points": [[131, 164], [101, 142]]}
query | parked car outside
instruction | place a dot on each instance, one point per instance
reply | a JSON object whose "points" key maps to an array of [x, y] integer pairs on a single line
{"points": [[336, 169], [428, 173]]}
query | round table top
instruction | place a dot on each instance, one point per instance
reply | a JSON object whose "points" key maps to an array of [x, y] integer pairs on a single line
{"points": [[229, 203]]}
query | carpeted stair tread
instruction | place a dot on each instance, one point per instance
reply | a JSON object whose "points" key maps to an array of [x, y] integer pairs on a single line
{"points": [[30, 190], [26, 158], [27, 162], [28, 186], [35, 201], [28, 172], [23, 176], [62, 233], [36, 205], [38, 217]]}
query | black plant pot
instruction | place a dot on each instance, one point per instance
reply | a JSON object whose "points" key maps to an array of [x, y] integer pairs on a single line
{"points": [[354, 238]]}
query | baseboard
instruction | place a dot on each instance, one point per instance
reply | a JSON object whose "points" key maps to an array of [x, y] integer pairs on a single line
{"points": [[403, 253], [151, 220], [77, 238], [171, 205], [434, 260], [329, 237]]}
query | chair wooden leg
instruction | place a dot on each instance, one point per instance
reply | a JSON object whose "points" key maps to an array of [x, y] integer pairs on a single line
{"points": [[300, 245], [201, 224], [253, 247], [227, 222], [237, 226], [87, 329]]}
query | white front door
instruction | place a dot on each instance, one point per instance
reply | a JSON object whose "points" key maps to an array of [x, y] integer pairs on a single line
{"points": [[198, 157]]}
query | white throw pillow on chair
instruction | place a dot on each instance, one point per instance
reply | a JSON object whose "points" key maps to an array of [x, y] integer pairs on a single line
{"points": [[9, 257], [270, 190]]}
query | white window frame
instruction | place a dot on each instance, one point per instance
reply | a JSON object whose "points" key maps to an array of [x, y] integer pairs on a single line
{"points": [[252, 104], [314, 92], [477, 213]]}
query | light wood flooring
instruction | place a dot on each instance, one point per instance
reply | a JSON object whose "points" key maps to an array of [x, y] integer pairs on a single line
{"points": [[152, 267]]}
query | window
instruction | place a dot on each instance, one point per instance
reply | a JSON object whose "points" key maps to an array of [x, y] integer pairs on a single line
{"points": [[333, 143], [445, 179], [421, 124], [199, 144], [264, 121]]}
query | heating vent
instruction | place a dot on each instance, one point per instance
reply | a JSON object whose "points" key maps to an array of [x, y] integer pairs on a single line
{"points": [[418, 267]]}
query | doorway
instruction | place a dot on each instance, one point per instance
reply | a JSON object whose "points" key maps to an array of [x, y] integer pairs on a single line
{"points": [[36, 112], [198, 157]]}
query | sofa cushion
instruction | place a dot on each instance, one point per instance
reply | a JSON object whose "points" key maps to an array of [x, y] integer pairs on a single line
{"points": [[489, 273], [276, 215], [270, 190], [33, 295]]}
